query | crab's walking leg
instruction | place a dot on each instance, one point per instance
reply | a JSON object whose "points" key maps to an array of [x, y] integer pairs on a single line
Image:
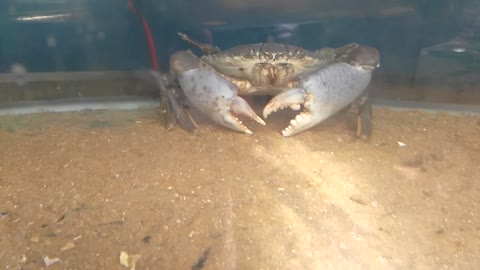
{"points": [[171, 110], [360, 116], [206, 48]]}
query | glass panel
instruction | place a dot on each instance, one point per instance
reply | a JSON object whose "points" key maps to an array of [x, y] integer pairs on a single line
{"points": [[124, 145]]}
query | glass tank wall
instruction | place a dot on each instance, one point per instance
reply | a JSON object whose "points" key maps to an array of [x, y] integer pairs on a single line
{"points": [[339, 135]]}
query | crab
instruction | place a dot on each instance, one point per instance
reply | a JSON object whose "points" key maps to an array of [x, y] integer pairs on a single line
{"points": [[323, 82]]}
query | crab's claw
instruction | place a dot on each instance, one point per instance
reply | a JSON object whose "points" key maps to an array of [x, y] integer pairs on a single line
{"points": [[216, 97], [210, 92], [322, 94]]}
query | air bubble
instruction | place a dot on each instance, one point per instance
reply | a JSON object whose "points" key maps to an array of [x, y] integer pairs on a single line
{"points": [[101, 35], [51, 41], [19, 73]]}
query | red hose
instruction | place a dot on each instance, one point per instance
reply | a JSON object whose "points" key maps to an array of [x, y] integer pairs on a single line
{"points": [[148, 33]]}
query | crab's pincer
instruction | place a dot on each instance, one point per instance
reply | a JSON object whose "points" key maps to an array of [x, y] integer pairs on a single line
{"points": [[327, 90], [210, 93]]}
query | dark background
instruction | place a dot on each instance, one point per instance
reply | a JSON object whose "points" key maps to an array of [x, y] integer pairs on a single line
{"points": [[106, 35]]}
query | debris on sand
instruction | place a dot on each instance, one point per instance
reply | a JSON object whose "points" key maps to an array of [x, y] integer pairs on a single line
{"points": [[49, 261], [129, 261], [67, 246]]}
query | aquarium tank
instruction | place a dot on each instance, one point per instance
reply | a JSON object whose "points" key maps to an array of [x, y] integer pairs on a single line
{"points": [[239, 134]]}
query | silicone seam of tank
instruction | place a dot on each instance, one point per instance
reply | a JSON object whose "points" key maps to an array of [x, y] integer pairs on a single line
{"points": [[78, 104], [136, 103]]}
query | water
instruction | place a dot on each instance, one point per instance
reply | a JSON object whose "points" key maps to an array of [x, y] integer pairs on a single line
{"points": [[88, 169]]}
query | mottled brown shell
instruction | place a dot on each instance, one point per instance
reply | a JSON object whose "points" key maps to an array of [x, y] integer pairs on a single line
{"points": [[268, 66], [253, 61]]}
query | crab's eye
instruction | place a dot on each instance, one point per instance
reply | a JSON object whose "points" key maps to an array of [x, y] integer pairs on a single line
{"points": [[279, 56], [267, 56], [299, 54]]}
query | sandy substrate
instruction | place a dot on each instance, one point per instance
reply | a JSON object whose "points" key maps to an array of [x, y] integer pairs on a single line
{"points": [[83, 187]]}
